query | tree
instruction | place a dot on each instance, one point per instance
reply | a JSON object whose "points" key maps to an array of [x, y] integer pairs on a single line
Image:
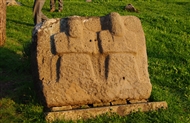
{"points": [[2, 22]]}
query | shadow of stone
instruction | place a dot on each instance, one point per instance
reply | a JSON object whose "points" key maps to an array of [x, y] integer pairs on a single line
{"points": [[15, 77], [20, 22]]}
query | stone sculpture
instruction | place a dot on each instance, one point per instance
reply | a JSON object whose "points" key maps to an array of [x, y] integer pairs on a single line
{"points": [[86, 61]]}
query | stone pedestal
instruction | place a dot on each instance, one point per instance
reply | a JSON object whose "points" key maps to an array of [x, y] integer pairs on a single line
{"points": [[121, 110]]}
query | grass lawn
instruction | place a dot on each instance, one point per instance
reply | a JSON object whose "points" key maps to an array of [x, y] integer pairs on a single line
{"points": [[167, 31]]}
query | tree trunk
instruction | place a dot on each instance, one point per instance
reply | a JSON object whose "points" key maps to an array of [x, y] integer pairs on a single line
{"points": [[2, 22]]}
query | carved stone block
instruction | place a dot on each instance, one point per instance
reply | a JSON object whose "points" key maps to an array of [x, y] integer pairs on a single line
{"points": [[81, 61]]}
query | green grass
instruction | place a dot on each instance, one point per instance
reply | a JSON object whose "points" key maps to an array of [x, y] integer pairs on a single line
{"points": [[167, 30]]}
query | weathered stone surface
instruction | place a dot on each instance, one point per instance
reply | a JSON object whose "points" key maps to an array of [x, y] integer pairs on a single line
{"points": [[2, 22], [130, 8], [81, 61], [88, 0], [93, 112], [12, 3]]}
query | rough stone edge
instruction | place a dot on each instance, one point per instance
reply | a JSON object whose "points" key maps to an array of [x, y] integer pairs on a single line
{"points": [[121, 110], [12, 3]]}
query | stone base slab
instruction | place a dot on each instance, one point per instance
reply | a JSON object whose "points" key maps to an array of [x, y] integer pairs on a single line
{"points": [[121, 110]]}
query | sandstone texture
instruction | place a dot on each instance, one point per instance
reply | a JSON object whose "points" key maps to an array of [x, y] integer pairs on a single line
{"points": [[90, 60], [12, 3], [121, 110], [130, 8], [2, 22]]}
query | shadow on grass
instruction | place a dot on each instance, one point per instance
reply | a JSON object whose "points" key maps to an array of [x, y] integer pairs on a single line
{"points": [[169, 73], [15, 76], [20, 22], [17, 92]]}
